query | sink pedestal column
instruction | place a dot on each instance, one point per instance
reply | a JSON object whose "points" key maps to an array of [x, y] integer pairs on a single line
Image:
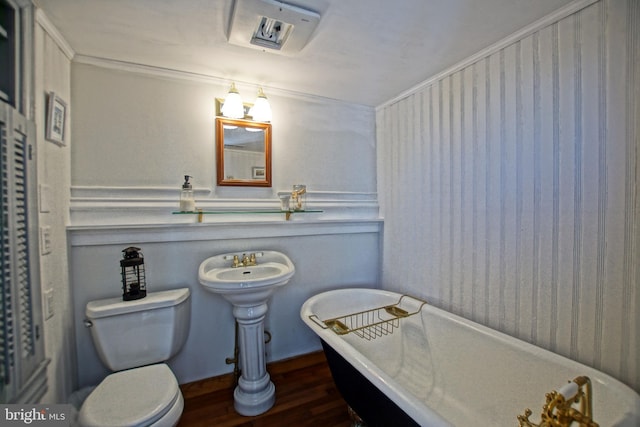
{"points": [[248, 288], [255, 393]]}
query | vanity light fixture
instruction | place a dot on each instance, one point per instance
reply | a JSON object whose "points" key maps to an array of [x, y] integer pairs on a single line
{"points": [[261, 110], [233, 106]]}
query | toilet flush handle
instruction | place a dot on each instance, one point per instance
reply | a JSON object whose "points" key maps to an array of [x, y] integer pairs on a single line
{"points": [[88, 323]]}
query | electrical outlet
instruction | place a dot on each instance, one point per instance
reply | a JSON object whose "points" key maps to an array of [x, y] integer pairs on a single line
{"points": [[48, 304], [45, 240]]}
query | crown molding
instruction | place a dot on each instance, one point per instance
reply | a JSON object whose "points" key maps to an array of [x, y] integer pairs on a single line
{"points": [[170, 73], [43, 20]]}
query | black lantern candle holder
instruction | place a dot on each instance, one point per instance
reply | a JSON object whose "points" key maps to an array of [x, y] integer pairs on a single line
{"points": [[133, 278]]}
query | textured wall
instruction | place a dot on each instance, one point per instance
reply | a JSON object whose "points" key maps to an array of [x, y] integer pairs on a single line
{"points": [[53, 73], [509, 187]]}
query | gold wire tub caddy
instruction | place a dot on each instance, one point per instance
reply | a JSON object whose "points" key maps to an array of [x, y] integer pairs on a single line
{"points": [[369, 324]]}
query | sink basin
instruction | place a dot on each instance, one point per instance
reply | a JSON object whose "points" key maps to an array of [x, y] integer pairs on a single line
{"points": [[248, 288], [257, 275], [273, 269]]}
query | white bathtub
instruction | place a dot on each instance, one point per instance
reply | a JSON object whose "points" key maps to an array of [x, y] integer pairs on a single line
{"points": [[443, 370]]}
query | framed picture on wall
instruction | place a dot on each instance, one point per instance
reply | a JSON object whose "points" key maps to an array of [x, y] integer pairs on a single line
{"points": [[257, 172], [56, 118]]}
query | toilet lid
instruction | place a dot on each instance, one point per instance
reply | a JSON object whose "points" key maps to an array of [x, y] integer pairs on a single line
{"points": [[130, 398]]}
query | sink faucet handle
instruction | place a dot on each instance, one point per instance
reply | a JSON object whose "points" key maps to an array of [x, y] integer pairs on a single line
{"points": [[236, 261], [252, 259]]}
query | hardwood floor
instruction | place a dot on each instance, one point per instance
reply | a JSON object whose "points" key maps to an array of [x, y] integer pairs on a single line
{"points": [[305, 396]]}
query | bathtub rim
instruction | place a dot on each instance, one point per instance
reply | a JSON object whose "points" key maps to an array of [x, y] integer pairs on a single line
{"points": [[415, 407], [410, 404]]}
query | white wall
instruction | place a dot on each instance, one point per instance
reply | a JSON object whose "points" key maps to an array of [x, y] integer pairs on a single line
{"points": [[509, 187], [137, 131], [140, 128], [324, 259], [53, 73]]}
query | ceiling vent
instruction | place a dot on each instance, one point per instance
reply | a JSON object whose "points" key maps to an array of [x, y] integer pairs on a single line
{"points": [[271, 24]]}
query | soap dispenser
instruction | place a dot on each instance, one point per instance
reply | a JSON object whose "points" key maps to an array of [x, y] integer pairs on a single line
{"points": [[187, 201]]}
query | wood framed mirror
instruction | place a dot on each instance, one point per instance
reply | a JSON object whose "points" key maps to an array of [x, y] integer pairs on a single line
{"points": [[243, 153]]}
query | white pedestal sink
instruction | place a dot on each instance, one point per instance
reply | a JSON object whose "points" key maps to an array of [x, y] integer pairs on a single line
{"points": [[248, 287]]}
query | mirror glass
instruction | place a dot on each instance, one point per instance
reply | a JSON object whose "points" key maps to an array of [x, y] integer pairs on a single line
{"points": [[243, 151]]}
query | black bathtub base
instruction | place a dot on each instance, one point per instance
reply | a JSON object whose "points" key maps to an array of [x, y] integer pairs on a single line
{"points": [[356, 420], [369, 403]]}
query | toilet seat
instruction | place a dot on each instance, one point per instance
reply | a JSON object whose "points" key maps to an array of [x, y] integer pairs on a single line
{"points": [[135, 397]]}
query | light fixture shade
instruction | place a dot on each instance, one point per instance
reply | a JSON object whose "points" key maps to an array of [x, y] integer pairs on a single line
{"points": [[233, 106], [261, 110]]}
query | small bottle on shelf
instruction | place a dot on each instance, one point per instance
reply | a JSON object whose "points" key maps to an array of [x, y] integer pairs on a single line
{"points": [[187, 201]]}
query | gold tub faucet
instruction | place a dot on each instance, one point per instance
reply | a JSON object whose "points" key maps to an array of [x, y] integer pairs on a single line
{"points": [[558, 411]]}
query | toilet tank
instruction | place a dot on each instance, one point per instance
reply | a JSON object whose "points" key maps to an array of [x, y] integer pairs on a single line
{"points": [[128, 334]]}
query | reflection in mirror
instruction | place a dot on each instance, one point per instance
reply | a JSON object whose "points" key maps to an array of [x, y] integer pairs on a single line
{"points": [[243, 150]]}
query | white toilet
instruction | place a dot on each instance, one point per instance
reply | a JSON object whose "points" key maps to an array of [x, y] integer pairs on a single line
{"points": [[132, 339]]}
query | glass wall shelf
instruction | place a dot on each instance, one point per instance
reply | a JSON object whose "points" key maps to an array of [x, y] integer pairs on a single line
{"points": [[287, 214]]}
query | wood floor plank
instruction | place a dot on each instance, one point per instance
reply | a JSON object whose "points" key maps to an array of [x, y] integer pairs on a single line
{"points": [[305, 396]]}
